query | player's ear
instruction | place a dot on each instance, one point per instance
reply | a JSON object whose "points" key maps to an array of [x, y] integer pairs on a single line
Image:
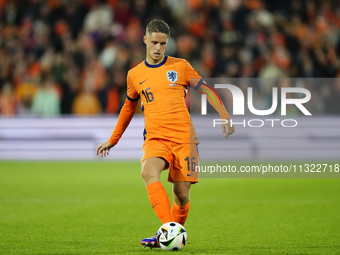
{"points": [[144, 39]]}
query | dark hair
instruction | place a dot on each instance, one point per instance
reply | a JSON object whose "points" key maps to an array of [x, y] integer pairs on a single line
{"points": [[158, 25]]}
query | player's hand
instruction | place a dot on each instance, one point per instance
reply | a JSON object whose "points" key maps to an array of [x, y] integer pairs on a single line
{"points": [[104, 148], [227, 129]]}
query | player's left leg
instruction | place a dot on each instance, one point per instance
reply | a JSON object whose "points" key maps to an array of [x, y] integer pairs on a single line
{"points": [[181, 204], [182, 174]]}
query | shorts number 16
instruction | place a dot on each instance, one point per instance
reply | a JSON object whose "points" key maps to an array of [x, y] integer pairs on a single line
{"points": [[193, 164]]}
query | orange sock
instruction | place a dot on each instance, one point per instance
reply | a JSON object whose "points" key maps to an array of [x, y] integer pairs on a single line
{"points": [[160, 201], [180, 213]]}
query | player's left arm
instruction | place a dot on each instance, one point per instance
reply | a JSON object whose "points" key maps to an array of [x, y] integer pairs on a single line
{"points": [[213, 98], [215, 101]]}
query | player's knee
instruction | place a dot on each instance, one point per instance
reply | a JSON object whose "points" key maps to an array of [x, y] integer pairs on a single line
{"points": [[144, 174], [148, 174], [182, 196]]}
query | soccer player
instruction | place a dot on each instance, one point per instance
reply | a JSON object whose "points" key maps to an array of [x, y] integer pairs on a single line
{"points": [[170, 140]]}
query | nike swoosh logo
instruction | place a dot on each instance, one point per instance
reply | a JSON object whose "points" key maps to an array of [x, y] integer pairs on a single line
{"points": [[142, 82], [189, 175], [155, 205]]}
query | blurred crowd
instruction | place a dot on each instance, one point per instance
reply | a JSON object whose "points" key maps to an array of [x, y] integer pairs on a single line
{"points": [[72, 56]]}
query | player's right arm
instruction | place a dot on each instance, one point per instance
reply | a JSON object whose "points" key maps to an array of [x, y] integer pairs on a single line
{"points": [[126, 113]]}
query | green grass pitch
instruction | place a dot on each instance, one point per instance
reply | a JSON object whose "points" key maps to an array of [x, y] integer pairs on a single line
{"points": [[103, 208]]}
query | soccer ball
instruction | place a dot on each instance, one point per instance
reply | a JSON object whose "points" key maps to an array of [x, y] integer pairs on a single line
{"points": [[172, 236]]}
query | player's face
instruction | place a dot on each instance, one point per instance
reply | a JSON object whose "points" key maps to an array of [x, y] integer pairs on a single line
{"points": [[155, 47]]}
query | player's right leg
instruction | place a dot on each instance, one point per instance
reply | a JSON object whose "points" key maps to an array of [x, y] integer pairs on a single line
{"points": [[156, 158], [151, 171]]}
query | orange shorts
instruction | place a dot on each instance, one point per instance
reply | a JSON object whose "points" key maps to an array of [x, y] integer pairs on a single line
{"points": [[182, 158]]}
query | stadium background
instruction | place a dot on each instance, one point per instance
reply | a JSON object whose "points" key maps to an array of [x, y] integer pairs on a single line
{"points": [[68, 59], [71, 57], [63, 68]]}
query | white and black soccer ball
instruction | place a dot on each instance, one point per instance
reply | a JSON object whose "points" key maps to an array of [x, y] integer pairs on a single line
{"points": [[172, 236]]}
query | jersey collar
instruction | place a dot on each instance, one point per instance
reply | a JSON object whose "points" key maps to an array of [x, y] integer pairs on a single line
{"points": [[158, 65]]}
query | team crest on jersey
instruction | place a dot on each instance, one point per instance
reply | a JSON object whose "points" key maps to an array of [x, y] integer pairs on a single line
{"points": [[172, 76]]}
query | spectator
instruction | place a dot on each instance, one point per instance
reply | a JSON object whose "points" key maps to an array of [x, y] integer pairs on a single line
{"points": [[86, 103], [99, 18], [7, 100], [46, 102]]}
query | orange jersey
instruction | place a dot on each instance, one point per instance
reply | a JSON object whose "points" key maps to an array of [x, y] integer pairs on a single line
{"points": [[161, 88]]}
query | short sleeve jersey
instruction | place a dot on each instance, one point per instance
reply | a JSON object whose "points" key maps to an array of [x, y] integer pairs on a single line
{"points": [[161, 88]]}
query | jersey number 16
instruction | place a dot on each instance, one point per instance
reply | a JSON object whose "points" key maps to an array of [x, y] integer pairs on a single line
{"points": [[148, 95]]}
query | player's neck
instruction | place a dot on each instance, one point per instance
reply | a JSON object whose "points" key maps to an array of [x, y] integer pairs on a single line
{"points": [[153, 62]]}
